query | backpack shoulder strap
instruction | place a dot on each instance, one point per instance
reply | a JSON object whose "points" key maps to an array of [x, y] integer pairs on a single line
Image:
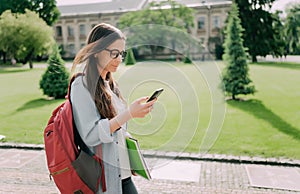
{"points": [[80, 142], [70, 83]]}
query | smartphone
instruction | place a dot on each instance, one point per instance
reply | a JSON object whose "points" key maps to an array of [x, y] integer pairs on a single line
{"points": [[155, 94]]}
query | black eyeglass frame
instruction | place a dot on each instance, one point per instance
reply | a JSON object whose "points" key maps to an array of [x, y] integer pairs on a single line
{"points": [[116, 55]]}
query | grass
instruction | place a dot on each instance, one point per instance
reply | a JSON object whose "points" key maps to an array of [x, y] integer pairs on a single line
{"points": [[24, 110], [266, 124]]}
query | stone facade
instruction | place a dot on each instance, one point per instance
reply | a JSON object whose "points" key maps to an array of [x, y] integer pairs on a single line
{"points": [[73, 27]]}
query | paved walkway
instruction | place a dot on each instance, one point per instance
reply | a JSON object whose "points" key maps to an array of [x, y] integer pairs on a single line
{"points": [[268, 58], [24, 171]]}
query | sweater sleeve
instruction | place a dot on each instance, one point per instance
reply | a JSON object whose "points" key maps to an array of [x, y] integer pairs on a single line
{"points": [[92, 129]]}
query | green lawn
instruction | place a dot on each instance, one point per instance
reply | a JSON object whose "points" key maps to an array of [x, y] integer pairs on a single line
{"points": [[266, 124], [24, 110]]}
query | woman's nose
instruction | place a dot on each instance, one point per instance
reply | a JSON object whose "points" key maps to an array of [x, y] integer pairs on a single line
{"points": [[120, 58]]}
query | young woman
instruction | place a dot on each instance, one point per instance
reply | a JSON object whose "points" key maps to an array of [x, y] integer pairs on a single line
{"points": [[100, 113]]}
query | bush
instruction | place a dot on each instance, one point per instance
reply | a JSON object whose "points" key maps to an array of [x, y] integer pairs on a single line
{"points": [[55, 80], [235, 78], [187, 58], [130, 60]]}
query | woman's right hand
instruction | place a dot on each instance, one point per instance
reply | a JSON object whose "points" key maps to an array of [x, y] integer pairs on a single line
{"points": [[138, 109]]}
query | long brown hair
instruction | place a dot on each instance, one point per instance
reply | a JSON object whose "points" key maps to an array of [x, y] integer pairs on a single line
{"points": [[100, 37]]}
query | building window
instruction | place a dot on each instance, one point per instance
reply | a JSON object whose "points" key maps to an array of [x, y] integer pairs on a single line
{"points": [[201, 23], [58, 31], [216, 22], [71, 49], [202, 40], [93, 25], [82, 29], [82, 45], [70, 31]]}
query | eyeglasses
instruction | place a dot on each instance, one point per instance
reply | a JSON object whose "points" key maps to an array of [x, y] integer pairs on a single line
{"points": [[114, 53]]}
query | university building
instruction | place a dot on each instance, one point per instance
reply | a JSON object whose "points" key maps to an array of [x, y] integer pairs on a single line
{"points": [[76, 21]]}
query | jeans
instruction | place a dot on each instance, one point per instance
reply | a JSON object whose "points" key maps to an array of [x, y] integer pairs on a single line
{"points": [[128, 186]]}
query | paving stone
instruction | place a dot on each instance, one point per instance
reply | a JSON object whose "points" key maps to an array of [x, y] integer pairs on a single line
{"points": [[148, 152], [274, 177], [213, 177], [177, 170], [171, 154], [15, 159], [258, 159], [185, 155], [272, 160], [195, 156], [160, 153]]}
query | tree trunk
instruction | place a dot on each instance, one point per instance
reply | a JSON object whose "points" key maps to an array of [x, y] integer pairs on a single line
{"points": [[29, 58], [233, 97], [4, 57], [254, 59], [30, 64]]}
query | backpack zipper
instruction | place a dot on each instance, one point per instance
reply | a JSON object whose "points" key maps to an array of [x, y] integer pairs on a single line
{"points": [[59, 171]]}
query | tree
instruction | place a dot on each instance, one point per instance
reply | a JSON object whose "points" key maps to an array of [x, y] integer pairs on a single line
{"points": [[143, 24], [292, 27], [258, 25], [130, 60], [55, 80], [46, 9], [24, 36], [235, 75], [278, 45], [177, 15], [187, 58]]}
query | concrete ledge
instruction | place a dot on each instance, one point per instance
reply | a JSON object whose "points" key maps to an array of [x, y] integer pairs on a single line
{"points": [[222, 158], [185, 156], [21, 146]]}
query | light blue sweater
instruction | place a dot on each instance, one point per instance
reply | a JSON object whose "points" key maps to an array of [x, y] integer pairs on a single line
{"points": [[94, 131]]}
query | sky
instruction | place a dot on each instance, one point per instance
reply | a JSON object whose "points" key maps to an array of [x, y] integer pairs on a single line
{"points": [[277, 5], [280, 4], [71, 2]]}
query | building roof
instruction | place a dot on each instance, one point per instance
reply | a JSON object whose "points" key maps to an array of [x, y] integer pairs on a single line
{"points": [[107, 6], [199, 3], [115, 6]]}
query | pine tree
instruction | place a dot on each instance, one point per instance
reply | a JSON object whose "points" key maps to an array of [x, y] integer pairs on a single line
{"points": [[187, 58], [130, 60], [55, 80], [235, 75]]}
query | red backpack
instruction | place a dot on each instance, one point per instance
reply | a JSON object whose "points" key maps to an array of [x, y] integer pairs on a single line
{"points": [[74, 168]]}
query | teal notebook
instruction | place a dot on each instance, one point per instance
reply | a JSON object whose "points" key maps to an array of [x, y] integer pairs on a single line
{"points": [[137, 162]]}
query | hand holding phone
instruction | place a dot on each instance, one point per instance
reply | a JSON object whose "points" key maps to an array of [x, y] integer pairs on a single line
{"points": [[155, 94], [138, 109]]}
